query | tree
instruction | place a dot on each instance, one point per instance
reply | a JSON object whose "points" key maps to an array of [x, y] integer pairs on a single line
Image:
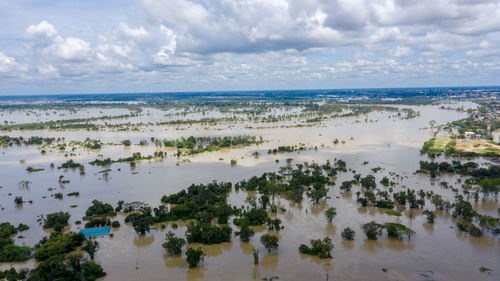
{"points": [[172, 244], [207, 233], [396, 230], [245, 233], [346, 186], [73, 267], [255, 254], [57, 220], [270, 242], [429, 215], [368, 182], [126, 142], [99, 208], [372, 229], [348, 234], [141, 221], [330, 213], [142, 224], [193, 257], [318, 192], [18, 200], [321, 248], [90, 246]]}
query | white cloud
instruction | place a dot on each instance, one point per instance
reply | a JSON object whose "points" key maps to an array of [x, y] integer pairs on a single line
{"points": [[402, 52], [199, 42]]}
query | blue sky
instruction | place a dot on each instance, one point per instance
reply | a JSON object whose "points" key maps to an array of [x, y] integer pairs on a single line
{"points": [[50, 47]]}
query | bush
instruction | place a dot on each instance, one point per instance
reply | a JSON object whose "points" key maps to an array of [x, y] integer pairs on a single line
{"points": [[115, 224]]}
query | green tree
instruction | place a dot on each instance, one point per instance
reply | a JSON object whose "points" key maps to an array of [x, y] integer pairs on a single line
{"points": [[330, 213], [193, 257], [321, 248], [270, 242], [172, 244], [57, 220], [318, 192], [348, 234], [429, 216], [245, 233], [255, 254], [368, 182], [90, 246], [372, 229]]}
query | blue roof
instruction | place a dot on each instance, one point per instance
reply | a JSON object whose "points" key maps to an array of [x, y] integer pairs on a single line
{"points": [[95, 231]]}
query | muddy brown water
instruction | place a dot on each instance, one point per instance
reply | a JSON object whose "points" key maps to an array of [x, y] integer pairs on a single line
{"points": [[437, 252]]}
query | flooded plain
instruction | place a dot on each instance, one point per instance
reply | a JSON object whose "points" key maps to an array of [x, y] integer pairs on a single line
{"points": [[437, 252]]}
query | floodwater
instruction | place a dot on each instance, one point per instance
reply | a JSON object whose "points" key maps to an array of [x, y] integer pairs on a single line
{"points": [[437, 252]]}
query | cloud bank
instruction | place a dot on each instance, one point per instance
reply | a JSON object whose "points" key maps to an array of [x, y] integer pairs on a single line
{"points": [[167, 45]]}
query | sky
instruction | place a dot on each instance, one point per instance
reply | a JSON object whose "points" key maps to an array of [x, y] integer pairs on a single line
{"points": [[94, 46]]}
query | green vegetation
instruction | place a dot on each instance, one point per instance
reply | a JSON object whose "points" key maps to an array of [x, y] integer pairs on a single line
{"points": [[194, 257], [245, 233], [56, 221], [70, 164], [9, 252], [73, 267], [90, 246], [195, 145], [207, 233], [57, 243], [200, 202], [141, 221], [330, 213], [270, 242], [172, 244], [321, 248], [99, 208], [348, 234]]}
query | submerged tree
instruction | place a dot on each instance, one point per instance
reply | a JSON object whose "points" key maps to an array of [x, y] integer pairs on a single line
{"points": [[172, 244], [255, 254], [321, 248], [429, 216], [245, 233], [193, 257], [270, 242], [330, 213], [372, 229], [348, 234], [90, 246]]}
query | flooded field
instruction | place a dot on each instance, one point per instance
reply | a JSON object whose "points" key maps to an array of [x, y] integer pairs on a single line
{"points": [[378, 139]]}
